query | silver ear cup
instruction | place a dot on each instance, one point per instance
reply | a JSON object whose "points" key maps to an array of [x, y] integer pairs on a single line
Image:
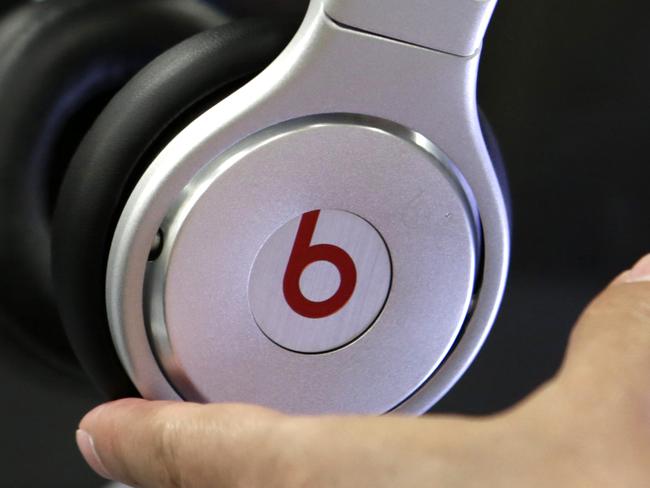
{"points": [[222, 320], [334, 236]]}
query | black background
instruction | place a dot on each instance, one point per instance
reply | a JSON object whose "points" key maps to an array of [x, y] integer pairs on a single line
{"points": [[565, 85]]}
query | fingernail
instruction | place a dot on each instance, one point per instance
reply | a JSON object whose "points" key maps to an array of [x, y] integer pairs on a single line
{"points": [[640, 272], [87, 447]]}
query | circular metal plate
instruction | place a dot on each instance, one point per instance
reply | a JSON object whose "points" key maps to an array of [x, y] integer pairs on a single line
{"points": [[197, 303], [320, 281]]}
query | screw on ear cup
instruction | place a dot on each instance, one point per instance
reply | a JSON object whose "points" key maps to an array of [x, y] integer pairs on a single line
{"points": [[128, 134], [60, 63]]}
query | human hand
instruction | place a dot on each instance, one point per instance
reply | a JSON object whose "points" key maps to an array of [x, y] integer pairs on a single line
{"points": [[587, 427]]}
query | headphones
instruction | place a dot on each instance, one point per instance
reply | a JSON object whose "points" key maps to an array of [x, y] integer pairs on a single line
{"points": [[229, 210]]}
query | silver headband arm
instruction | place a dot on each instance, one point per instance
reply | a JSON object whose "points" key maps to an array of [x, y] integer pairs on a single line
{"points": [[452, 26]]}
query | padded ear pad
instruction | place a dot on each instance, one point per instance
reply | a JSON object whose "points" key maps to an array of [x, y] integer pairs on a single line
{"points": [[60, 62], [497, 159], [129, 133]]}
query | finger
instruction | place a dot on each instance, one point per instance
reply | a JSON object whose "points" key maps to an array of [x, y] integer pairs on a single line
{"points": [[639, 273], [164, 445], [168, 444], [610, 344]]}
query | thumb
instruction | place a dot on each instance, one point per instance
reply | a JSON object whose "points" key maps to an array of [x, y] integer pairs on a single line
{"points": [[169, 444]]}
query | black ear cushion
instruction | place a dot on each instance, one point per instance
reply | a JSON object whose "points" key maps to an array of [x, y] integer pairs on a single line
{"points": [[60, 62], [497, 159], [129, 133]]}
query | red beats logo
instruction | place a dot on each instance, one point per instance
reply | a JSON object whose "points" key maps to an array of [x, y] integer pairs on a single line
{"points": [[319, 281], [304, 254]]}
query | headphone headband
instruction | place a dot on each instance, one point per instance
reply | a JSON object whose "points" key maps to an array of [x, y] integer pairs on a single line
{"points": [[452, 26]]}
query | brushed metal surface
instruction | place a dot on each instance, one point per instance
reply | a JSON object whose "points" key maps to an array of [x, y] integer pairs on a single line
{"points": [[326, 69], [319, 282], [203, 331]]}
